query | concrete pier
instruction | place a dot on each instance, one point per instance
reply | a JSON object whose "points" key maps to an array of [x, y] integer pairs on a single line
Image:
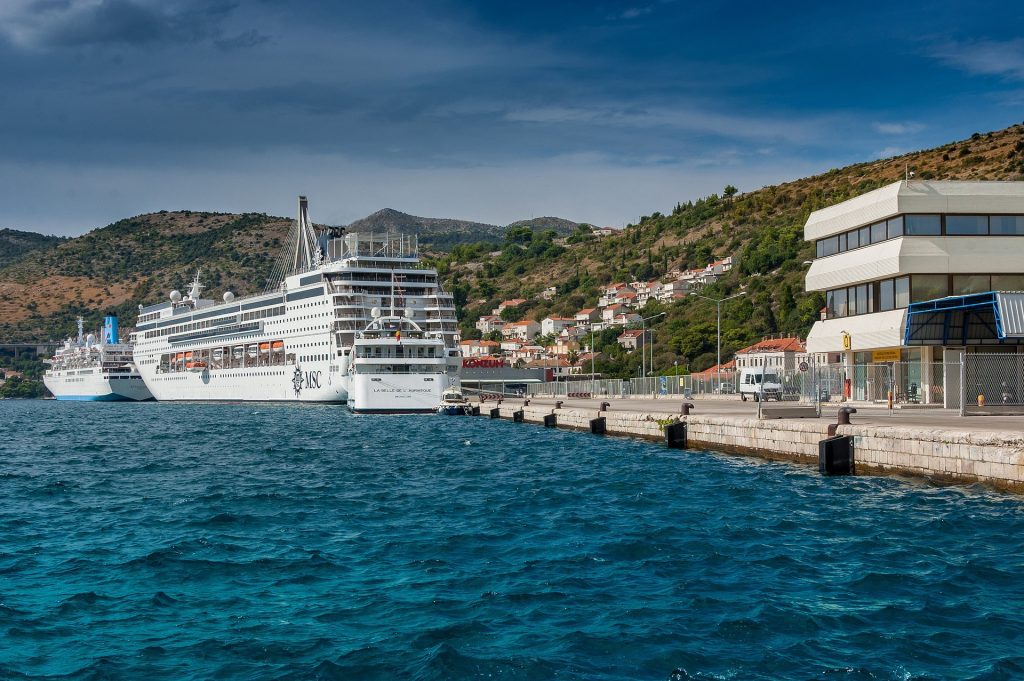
{"points": [[932, 444]]}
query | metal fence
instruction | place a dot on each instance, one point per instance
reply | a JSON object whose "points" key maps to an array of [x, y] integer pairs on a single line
{"points": [[991, 384]]}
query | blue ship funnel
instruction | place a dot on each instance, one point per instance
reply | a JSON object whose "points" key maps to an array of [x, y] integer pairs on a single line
{"points": [[110, 330]]}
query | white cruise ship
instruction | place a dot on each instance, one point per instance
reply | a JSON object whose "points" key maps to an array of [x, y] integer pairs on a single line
{"points": [[86, 370], [293, 343], [397, 368]]}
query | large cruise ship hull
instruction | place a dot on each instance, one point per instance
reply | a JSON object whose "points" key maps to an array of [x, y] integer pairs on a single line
{"points": [[309, 383], [80, 387]]}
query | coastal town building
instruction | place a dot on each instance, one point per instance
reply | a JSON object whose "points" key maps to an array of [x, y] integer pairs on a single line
{"points": [[784, 353], [514, 302], [911, 275], [631, 339], [479, 348], [523, 330], [587, 316], [555, 325], [490, 323], [549, 293]]}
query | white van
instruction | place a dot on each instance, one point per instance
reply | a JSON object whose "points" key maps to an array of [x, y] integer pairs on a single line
{"points": [[751, 384]]}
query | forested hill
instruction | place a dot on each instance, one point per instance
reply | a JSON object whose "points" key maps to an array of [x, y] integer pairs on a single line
{"points": [[14, 244], [442, 234], [762, 230]]}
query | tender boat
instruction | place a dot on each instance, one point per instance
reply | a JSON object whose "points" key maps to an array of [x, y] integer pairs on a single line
{"points": [[454, 403]]}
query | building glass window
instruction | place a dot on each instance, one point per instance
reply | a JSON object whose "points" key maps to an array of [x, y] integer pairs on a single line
{"points": [[865, 236], [853, 239], [886, 295], [839, 302], [820, 248], [878, 231], [864, 301], [1008, 282], [830, 304], [894, 227], [1006, 225], [832, 245], [923, 225], [968, 225], [929, 287], [964, 284], [902, 286]]}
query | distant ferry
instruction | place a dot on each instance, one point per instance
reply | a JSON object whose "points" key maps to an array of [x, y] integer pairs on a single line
{"points": [[295, 342], [87, 370]]}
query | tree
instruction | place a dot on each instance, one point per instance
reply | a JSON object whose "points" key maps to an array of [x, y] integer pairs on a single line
{"points": [[729, 192]]}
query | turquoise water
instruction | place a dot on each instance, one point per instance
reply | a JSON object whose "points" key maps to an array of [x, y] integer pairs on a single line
{"points": [[160, 541]]}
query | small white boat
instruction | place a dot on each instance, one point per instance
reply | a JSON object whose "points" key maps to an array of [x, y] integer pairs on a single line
{"points": [[454, 403]]}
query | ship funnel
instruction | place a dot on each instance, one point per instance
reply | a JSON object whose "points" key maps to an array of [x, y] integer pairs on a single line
{"points": [[110, 331]]}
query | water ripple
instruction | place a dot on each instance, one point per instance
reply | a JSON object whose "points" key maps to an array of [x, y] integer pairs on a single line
{"points": [[225, 542]]}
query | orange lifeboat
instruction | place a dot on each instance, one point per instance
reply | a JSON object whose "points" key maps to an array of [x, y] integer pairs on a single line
{"points": [[264, 347], [277, 345]]}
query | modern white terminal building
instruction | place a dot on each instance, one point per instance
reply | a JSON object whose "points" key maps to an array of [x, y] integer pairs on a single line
{"points": [[913, 275]]}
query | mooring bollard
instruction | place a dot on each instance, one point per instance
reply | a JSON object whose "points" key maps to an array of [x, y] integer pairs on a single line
{"points": [[604, 406], [676, 436], [558, 404], [687, 406], [526, 403], [842, 420]]}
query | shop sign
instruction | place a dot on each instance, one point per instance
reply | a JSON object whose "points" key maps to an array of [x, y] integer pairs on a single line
{"points": [[886, 355]]}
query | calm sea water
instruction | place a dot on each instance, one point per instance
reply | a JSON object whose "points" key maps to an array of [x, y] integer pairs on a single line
{"points": [[162, 541]]}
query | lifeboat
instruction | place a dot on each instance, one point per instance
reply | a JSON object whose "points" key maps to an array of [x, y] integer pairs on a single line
{"points": [[277, 345], [197, 366], [264, 347]]}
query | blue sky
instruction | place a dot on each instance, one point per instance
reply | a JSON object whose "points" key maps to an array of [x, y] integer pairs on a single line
{"points": [[594, 111]]}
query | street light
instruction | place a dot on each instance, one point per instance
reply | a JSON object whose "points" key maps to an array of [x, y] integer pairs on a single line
{"points": [[718, 303], [643, 336]]}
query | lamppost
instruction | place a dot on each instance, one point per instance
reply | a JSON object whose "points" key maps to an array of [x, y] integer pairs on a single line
{"points": [[718, 303], [643, 337]]}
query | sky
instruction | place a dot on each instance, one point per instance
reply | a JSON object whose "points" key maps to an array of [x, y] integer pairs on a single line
{"points": [[491, 111]]}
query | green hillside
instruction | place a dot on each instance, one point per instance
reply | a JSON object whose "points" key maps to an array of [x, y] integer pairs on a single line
{"points": [[15, 244], [762, 230]]}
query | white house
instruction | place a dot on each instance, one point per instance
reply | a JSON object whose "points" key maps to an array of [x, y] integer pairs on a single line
{"points": [[587, 316], [551, 324], [490, 323], [523, 330]]}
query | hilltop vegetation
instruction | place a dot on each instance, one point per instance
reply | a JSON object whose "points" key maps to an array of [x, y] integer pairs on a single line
{"points": [[15, 244], [762, 230], [443, 234]]}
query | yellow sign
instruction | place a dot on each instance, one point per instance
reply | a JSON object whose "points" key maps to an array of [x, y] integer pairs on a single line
{"points": [[887, 355], [847, 344]]}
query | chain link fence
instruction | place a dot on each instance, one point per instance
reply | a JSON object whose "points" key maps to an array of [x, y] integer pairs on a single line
{"points": [[991, 384]]}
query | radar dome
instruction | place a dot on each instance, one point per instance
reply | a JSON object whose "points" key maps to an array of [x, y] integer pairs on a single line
{"points": [[175, 296], [228, 296], [90, 339], [375, 312]]}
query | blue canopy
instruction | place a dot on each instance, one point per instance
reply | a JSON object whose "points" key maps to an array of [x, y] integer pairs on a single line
{"points": [[975, 319]]}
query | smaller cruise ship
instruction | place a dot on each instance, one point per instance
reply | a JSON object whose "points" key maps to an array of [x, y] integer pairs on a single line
{"points": [[397, 368], [87, 370]]}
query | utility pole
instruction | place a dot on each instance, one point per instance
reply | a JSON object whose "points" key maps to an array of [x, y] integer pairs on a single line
{"points": [[718, 303]]}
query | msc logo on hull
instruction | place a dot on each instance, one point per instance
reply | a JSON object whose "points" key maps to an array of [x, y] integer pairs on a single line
{"points": [[305, 379]]}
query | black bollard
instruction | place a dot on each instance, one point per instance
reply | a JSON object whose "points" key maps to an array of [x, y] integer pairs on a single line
{"points": [[842, 420], [599, 425], [558, 404], [687, 406], [518, 416], [526, 403], [604, 406]]}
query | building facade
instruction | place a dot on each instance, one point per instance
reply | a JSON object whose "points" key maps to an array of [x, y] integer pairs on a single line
{"points": [[885, 259]]}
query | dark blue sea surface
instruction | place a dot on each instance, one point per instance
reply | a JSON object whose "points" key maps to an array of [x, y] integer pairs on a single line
{"points": [[163, 541]]}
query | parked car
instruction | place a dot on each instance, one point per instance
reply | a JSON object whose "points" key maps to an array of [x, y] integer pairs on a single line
{"points": [[757, 382]]}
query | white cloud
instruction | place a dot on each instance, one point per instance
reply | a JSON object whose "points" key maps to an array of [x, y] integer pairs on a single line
{"points": [[985, 57], [906, 128]]}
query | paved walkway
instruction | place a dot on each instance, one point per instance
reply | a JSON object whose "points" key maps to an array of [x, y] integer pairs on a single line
{"points": [[938, 419]]}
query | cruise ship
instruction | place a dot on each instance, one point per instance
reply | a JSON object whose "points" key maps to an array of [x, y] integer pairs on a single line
{"points": [[87, 370], [294, 342]]}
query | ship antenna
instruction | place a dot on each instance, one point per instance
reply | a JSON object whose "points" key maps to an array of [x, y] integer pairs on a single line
{"points": [[81, 330]]}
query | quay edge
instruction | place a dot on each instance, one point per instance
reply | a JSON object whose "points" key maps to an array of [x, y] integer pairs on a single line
{"points": [[945, 456]]}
